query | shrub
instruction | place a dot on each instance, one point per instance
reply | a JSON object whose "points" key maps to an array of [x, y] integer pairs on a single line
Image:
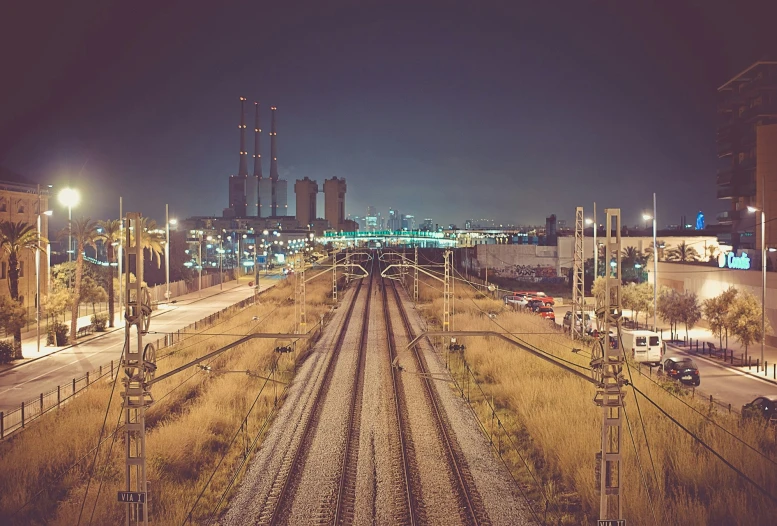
{"points": [[6, 351], [99, 322], [57, 334]]}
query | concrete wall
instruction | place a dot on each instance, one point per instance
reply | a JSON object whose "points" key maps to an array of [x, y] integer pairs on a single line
{"points": [[708, 282]]}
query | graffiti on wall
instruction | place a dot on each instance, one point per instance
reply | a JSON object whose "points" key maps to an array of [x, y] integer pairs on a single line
{"points": [[536, 273]]}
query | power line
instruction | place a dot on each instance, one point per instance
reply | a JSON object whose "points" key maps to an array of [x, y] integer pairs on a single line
{"points": [[707, 447]]}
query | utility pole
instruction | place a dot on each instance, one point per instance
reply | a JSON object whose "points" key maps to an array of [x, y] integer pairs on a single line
{"points": [[446, 310], [655, 269], [578, 288], [139, 365], [334, 276], [121, 254], [607, 365], [596, 247], [199, 255], [302, 328], [167, 253], [415, 276]]}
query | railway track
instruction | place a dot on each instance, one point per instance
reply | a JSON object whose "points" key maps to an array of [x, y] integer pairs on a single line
{"points": [[345, 503], [407, 507], [281, 495], [471, 508]]}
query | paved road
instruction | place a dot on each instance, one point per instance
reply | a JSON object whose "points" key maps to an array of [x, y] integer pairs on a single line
{"points": [[29, 380], [727, 384]]}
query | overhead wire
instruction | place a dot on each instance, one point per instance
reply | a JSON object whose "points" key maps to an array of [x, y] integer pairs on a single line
{"points": [[706, 446]]}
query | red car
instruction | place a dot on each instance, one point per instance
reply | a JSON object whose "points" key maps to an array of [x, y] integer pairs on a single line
{"points": [[547, 313]]}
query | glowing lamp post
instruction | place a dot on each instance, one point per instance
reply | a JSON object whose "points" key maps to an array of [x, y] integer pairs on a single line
{"points": [[69, 197], [648, 217], [753, 209]]}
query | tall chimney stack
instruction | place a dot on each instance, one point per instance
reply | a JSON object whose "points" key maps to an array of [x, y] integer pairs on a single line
{"points": [[257, 150], [273, 148], [243, 171]]}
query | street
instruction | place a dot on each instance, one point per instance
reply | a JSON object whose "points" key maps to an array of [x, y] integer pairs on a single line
{"points": [[27, 381]]}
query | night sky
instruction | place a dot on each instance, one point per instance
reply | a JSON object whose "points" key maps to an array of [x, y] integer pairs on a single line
{"points": [[447, 110]]}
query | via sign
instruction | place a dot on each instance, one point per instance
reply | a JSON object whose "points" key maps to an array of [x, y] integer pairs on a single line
{"points": [[732, 261], [132, 496]]}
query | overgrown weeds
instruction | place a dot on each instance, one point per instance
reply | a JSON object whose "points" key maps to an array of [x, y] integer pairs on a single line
{"points": [[191, 425]]}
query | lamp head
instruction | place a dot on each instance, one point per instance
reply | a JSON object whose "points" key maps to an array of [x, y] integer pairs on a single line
{"points": [[647, 217], [69, 197], [752, 209]]}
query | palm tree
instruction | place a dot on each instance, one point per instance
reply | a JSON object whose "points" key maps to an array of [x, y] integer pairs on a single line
{"points": [[110, 233], [151, 239], [682, 252], [15, 238], [630, 255], [84, 231]]}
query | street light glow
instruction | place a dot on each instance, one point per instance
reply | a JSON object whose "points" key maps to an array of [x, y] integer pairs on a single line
{"points": [[69, 197], [588, 221], [647, 217], [752, 209]]}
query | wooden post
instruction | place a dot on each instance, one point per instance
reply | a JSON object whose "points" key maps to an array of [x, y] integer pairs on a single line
{"points": [[2, 424], [74, 386], [59, 395], [22, 414], [41, 403]]}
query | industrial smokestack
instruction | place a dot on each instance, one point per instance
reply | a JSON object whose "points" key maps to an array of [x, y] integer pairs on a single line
{"points": [[243, 170], [273, 147], [257, 150]]}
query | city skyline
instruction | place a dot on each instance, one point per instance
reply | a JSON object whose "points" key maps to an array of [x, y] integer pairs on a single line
{"points": [[424, 124]]}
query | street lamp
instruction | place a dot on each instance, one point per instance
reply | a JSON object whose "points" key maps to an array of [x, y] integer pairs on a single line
{"points": [[753, 209], [37, 278], [648, 217], [596, 248], [168, 222], [69, 197]]}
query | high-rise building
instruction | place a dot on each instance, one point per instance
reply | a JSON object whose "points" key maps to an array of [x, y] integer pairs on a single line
{"points": [[334, 202], [428, 224], [394, 220], [371, 219], [306, 191], [747, 150]]}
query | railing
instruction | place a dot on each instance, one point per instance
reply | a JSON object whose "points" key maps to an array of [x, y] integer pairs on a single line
{"points": [[30, 410]]}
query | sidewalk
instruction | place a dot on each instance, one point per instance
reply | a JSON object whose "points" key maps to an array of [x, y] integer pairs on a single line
{"points": [[699, 338], [29, 344]]}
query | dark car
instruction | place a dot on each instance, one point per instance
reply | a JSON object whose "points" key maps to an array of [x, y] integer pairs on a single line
{"points": [[762, 407], [682, 369], [534, 305]]}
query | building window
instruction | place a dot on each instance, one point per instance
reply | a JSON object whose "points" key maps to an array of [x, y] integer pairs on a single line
{"points": [[3, 204], [20, 206], [742, 157], [2, 270], [741, 110], [21, 269]]}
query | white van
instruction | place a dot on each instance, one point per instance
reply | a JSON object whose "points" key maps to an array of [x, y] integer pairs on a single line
{"points": [[645, 346]]}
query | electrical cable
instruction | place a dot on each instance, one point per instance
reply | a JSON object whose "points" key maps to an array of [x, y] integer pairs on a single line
{"points": [[709, 448], [231, 442], [102, 430], [639, 465]]}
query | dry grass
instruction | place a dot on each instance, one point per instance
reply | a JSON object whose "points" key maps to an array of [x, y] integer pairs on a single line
{"points": [[190, 425], [550, 416]]}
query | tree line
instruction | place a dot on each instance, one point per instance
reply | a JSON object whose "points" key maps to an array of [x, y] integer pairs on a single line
{"points": [[731, 313], [71, 284]]}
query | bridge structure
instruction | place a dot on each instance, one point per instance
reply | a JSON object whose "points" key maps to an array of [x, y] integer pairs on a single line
{"points": [[392, 238]]}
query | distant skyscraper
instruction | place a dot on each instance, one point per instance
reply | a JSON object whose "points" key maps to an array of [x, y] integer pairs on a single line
{"points": [[409, 222], [371, 219], [394, 221], [428, 224]]}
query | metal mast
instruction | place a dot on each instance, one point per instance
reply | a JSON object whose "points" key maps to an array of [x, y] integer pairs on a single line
{"points": [[302, 316], [139, 365], [446, 310], [334, 275], [607, 363], [415, 276], [578, 289]]}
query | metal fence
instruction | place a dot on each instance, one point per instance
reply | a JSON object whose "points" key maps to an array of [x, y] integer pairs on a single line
{"points": [[30, 410]]}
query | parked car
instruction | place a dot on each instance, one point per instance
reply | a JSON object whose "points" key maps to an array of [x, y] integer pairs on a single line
{"points": [[547, 313], [682, 369], [567, 323], [535, 304], [764, 407], [546, 300]]}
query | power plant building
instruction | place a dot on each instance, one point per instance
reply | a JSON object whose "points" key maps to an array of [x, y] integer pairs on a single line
{"points": [[334, 202], [306, 191]]}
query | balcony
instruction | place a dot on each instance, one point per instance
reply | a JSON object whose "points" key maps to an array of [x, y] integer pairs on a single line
{"points": [[726, 218], [727, 192], [725, 177]]}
